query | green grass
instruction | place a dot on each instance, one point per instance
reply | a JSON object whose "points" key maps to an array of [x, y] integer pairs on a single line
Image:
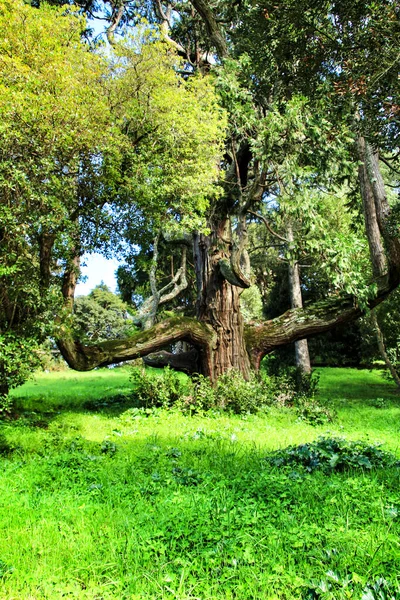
{"points": [[99, 501]]}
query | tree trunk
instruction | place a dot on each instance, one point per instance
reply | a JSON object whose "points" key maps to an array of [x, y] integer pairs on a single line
{"points": [[382, 348], [218, 302], [218, 332], [302, 355]]}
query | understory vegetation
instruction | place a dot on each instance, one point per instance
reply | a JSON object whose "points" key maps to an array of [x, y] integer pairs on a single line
{"points": [[101, 498]]}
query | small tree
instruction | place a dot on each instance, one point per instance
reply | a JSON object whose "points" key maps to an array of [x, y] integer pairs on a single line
{"points": [[101, 315]]}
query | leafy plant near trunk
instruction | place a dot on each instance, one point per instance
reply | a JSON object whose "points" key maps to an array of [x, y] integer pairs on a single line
{"points": [[231, 393]]}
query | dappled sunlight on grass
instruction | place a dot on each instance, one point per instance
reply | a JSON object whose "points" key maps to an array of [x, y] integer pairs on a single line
{"points": [[115, 502]]}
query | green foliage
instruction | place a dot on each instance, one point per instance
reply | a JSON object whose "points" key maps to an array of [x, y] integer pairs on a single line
{"points": [[235, 394], [19, 357], [170, 150], [231, 393], [192, 505], [290, 386], [89, 140], [334, 586], [330, 454], [101, 315], [313, 412], [251, 304], [157, 391]]}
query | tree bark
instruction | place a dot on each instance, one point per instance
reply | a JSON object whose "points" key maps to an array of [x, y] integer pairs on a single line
{"points": [[382, 349], [302, 355], [86, 357], [218, 302], [376, 248], [186, 362]]}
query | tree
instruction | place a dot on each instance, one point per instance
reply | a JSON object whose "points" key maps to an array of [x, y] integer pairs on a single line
{"points": [[52, 121], [250, 84], [88, 142], [102, 315], [164, 179]]}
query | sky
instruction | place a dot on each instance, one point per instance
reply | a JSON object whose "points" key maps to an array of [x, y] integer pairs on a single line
{"points": [[97, 269]]}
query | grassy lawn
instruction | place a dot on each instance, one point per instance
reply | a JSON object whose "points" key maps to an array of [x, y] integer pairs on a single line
{"points": [[101, 501]]}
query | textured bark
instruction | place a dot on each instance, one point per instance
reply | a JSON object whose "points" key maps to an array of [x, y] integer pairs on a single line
{"points": [[389, 232], [297, 324], [70, 279], [302, 355], [212, 27], [86, 357], [187, 362], [46, 243], [376, 248], [219, 301]]}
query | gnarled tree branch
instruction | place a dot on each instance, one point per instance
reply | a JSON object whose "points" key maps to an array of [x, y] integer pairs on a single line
{"points": [[212, 26], [86, 357], [186, 362]]}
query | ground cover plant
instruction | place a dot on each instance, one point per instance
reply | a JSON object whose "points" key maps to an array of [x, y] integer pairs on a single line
{"points": [[102, 499]]}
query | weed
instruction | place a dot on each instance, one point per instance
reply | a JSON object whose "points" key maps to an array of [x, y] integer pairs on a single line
{"points": [[335, 587], [162, 391], [5, 569], [329, 454], [108, 447], [313, 412]]}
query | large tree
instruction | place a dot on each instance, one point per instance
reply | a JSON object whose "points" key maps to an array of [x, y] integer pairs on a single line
{"points": [[89, 142], [261, 57]]}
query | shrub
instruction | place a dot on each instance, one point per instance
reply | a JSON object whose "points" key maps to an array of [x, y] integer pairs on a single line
{"points": [[334, 454], [237, 395], [157, 391], [231, 393], [313, 412]]}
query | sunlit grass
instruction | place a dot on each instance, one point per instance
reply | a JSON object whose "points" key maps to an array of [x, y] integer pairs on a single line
{"points": [[104, 502]]}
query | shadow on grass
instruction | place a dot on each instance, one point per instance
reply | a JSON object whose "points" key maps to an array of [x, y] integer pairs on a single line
{"points": [[357, 385], [201, 503]]}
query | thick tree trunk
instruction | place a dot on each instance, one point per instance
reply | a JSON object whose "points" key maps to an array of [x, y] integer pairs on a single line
{"points": [[302, 355], [219, 302]]}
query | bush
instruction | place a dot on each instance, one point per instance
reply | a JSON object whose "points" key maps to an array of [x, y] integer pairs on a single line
{"points": [[292, 387], [157, 390], [237, 395], [313, 412], [231, 393], [334, 454]]}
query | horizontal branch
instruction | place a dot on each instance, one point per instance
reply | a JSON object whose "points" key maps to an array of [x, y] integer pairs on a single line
{"points": [[186, 362], [86, 357], [299, 323]]}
